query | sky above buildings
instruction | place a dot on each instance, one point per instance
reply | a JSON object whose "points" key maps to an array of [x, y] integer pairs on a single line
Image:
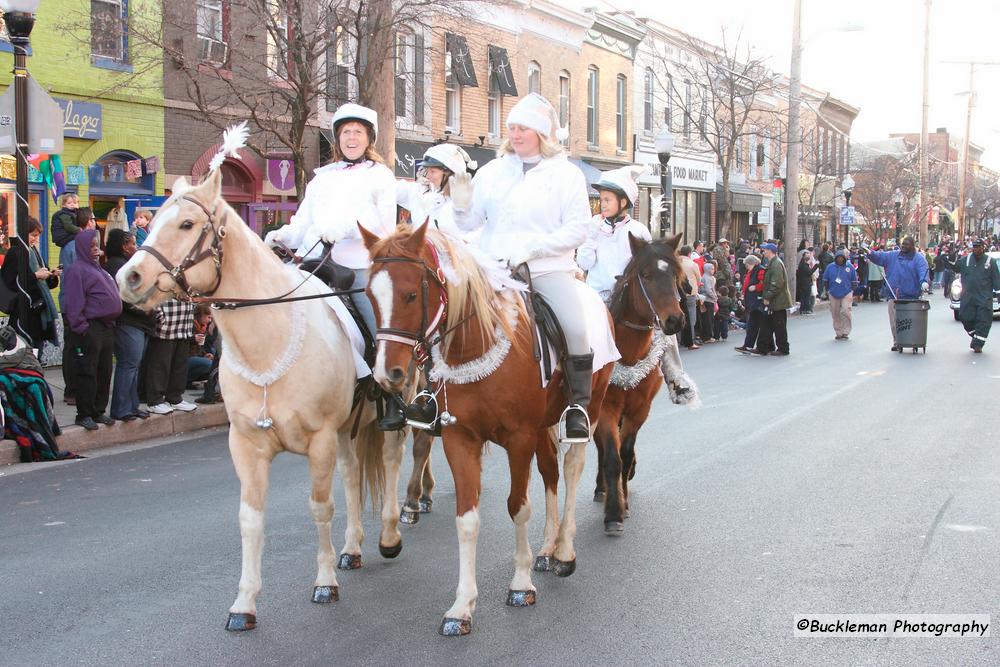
{"points": [[878, 69]]}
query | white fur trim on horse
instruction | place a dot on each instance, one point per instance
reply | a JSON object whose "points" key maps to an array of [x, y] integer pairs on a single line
{"points": [[629, 377], [233, 139], [283, 362], [474, 370]]}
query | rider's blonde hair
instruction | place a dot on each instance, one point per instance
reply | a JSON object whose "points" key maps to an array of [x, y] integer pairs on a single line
{"points": [[546, 146]]}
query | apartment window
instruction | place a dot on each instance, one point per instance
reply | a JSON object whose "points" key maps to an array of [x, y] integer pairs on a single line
{"points": [[668, 112], [108, 32], [647, 101], [753, 157], [687, 110], [593, 83], [211, 17], [534, 78], [564, 102], [739, 154], [621, 119], [703, 115], [277, 42], [337, 71], [407, 82], [452, 98]]}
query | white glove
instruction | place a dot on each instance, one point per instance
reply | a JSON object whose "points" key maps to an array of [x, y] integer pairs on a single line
{"points": [[276, 237], [925, 287], [518, 255], [461, 191], [752, 288]]}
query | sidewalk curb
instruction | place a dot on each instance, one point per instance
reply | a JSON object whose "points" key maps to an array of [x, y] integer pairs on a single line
{"points": [[77, 439]]}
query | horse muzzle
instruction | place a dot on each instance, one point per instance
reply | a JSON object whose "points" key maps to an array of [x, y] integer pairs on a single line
{"points": [[673, 324]]}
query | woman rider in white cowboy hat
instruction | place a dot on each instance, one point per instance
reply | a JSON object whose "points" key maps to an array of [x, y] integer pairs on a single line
{"points": [[607, 252], [355, 187], [532, 206], [429, 198]]}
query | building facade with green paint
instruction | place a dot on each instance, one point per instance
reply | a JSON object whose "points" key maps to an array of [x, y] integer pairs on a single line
{"points": [[111, 93]]}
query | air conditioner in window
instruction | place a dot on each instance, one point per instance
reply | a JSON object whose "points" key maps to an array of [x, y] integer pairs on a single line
{"points": [[210, 50]]}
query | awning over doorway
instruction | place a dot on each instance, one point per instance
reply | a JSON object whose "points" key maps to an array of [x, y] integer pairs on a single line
{"points": [[744, 198]]}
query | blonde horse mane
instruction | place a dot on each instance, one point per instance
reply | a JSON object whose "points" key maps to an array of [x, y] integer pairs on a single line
{"points": [[469, 288]]}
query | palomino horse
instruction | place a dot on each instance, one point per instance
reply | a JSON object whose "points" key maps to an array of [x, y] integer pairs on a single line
{"points": [[288, 375], [645, 302], [489, 381]]}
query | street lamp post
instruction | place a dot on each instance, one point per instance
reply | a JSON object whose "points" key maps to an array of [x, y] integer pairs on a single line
{"points": [[847, 185], [897, 202], [19, 17], [664, 147]]}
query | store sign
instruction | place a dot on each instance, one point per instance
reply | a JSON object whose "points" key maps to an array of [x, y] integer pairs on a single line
{"points": [[686, 174], [81, 120], [281, 173]]}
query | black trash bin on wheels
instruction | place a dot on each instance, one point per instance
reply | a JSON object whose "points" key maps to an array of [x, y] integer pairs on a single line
{"points": [[911, 324]]}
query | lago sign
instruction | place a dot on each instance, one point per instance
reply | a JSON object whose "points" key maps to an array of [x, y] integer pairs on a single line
{"points": [[81, 120]]}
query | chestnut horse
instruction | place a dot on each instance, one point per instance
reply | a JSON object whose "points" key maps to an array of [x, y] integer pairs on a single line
{"points": [[421, 485], [645, 305], [288, 373], [488, 379]]}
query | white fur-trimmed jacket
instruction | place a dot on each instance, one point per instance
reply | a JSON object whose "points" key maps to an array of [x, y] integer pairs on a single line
{"points": [[543, 213], [607, 252], [340, 196], [423, 202]]}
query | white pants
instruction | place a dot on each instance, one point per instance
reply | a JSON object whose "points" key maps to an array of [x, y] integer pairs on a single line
{"points": [[559, 291]]}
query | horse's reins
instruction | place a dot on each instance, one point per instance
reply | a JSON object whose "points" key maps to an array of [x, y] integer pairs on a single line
{"points": [[657, 323]]}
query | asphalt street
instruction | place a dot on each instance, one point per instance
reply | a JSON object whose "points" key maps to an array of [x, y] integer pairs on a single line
{"points": [[841, 479]]}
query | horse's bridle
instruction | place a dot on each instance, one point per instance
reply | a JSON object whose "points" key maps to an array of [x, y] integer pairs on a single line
{"points": [[197, 254], [421, 340], [657, 323]]}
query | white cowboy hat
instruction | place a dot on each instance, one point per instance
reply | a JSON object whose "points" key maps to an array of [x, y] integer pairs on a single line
{"points": [[352, 111]]}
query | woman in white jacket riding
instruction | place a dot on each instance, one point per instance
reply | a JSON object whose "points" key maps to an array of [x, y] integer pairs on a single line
{"points": [[429, 198], [607, 252], [532, 206]]}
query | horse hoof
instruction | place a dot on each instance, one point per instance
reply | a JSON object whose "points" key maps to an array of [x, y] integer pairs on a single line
{"points": [[325, 594], [455, 627], [349, 562], [614, 528], [409, 516], [426, 505], [563, 568], [241, 622], [390, 552], [627, 513], [520, 598], [543, 564], [599, 496]]}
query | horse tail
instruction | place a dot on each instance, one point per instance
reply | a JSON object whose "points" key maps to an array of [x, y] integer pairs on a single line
{"points": [[369, 445]]}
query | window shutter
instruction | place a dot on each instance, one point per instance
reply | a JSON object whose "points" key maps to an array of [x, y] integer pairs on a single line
{"points": [[418, 79]]}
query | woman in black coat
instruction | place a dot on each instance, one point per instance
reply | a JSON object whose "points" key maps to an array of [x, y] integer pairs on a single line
{"points": [[24, 273], [804, 282]]}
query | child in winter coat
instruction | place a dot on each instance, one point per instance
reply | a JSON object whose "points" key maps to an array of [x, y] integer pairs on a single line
{"points": [[724, 314]]}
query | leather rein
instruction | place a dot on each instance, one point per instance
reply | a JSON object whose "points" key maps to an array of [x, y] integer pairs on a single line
{"points": [[656, 322]]}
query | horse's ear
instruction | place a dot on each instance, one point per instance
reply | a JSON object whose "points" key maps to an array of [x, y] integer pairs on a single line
{"points": [[635, 243], [181, 185], [416, 240], [673, 240], [211, 187], [369, 238]]}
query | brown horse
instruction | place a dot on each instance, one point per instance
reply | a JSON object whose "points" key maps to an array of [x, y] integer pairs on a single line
{"points": [[489, 381], [421, 485], [645, 305]]}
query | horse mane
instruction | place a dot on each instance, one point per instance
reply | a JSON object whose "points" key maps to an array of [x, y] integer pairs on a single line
{"points": [[470, 290], [654, 251]]}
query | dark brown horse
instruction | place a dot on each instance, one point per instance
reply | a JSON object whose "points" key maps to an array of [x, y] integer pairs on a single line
{"points": [[487, 378], [645, 305]]}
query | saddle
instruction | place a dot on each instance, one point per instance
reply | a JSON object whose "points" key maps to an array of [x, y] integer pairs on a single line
{"points": [[548, 334], [340, 278]]}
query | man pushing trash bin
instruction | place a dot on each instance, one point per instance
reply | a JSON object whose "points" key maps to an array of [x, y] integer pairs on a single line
{"points": [[906, 277], [980, 285]]}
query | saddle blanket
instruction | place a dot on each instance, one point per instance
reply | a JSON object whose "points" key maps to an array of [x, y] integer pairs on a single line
{"points": [[350, 326], [602, 337]]}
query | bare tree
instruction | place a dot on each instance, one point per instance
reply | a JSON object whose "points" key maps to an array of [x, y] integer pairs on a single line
{"points": [[279, 60], [720, 93]]}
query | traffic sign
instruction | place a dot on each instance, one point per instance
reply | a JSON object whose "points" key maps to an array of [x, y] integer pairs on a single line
{"points": [[847, 215]]}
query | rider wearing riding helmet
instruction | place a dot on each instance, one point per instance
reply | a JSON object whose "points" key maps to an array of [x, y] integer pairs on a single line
{"points": [[607, 252], [429, 198], [532, 206], [355, 187]]}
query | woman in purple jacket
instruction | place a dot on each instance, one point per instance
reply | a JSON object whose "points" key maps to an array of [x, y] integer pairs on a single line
{"points": [[92, 305]]}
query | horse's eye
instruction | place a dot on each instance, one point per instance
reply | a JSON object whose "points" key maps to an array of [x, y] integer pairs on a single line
{"points": [[411, 297], [187, 224]]}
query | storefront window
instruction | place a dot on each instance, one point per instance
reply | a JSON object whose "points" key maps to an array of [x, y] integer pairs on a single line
{"points": [[680, 216]]}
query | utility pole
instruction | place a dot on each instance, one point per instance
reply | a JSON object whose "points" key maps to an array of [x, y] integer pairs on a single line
{"points": [[922, 235], [963, 183], [794, 148]]}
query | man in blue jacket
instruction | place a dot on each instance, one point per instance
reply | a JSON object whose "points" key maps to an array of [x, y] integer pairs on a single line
{"points": [[906, 277], [839, 281]]}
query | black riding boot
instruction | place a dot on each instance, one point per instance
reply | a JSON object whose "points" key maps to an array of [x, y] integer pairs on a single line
{"points": [[393, 419], [579, 374]]}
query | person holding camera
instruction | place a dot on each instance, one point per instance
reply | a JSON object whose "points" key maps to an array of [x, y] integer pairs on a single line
{"points": [[32, 311]]}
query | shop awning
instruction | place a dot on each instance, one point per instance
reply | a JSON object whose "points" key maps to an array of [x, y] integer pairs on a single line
{"points": [[591, 173], [461, 62], [501, 73], [743, 198]]}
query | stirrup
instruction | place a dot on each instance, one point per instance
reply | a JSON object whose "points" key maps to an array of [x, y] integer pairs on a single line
{"points": [[423, 415], [563, 436]]}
